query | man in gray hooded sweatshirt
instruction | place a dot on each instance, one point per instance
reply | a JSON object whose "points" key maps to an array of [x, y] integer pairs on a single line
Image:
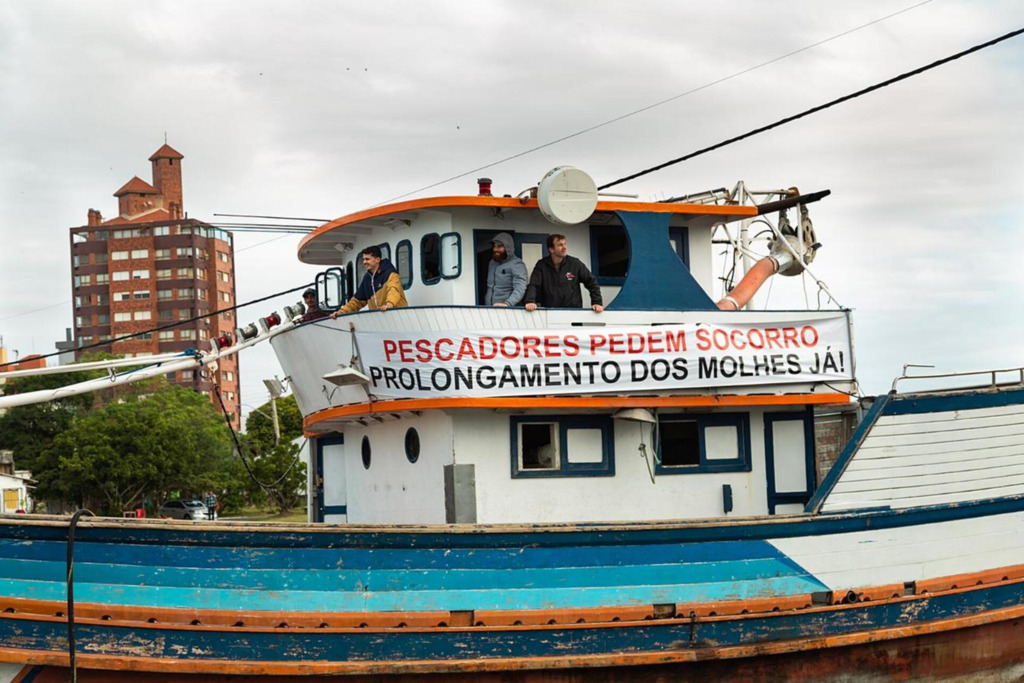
{"points": [[506, 273]]}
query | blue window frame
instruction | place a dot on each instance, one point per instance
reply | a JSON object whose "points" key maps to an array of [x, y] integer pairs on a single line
{"points": [[562, 446], [440, 257], [693, 443], [610, 251], [403, 262]]}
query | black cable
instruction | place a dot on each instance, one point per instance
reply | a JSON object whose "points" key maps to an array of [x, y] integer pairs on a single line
{"points": [[238, 447], [71, 590], [814, 110], [179, 323], [653, 105]]}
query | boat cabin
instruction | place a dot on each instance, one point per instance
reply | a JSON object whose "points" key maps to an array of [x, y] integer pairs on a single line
{"points": [[662, 406]]}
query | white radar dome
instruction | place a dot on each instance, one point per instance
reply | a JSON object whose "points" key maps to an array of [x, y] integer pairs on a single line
{"points": [[567, 195]]}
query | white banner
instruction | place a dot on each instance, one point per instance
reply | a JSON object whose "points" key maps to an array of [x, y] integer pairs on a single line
{"points": [[594, 360]]}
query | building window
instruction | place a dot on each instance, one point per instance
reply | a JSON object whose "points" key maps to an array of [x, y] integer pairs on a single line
{"points": [[83, 280], [145, 336], [166, 335], [201, 294], [140, 253], [101, 259], [79, 321], [187, 375], [140, 274], [562, 446], [100, 235], [223, 276], [164, 294], [119, 256], [186, 273], [223, 257], [122, 317], [165, 315], [163, 274], [121, 275], [162, 231], [201, 273], [102, 278], [186, 293], [609, 253], [403, 261], [185, 313], [143, 315], [227, 376], [184, 252], [703, 443], [225, 297], [189, 335], [102, 299], [140, 294], [160, 254], [102, 319], [122, 296]]}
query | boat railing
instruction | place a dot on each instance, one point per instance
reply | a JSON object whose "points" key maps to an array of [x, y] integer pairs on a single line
{"points": [[992, 375]]}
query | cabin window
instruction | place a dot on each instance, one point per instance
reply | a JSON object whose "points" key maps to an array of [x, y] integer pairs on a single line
{"points": [[403, 262], [609, 253], [440, 257], [703, 443], [385, 251], [562, 446], [412, 444], [330, 288], [366, 452], [350, 281]]}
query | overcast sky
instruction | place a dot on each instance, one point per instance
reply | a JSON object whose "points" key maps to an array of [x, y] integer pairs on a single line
{"points": [[319, 109]]}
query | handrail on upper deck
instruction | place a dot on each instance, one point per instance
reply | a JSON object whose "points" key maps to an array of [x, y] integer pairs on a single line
{"points": [[968, 373]]}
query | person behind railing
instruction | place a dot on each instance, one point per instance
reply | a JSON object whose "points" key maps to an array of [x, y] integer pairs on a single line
{"points": [[555, 280], [506, 273], [313, 310], [381, 287]]}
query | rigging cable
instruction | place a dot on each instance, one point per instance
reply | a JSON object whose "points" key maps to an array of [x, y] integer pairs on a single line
{"points": [[820, 107], [179, 323], [656, 104], [241, 455]]}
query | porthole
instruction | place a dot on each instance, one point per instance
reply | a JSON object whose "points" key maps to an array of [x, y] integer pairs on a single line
{"points": [[366, 452], [412, 444]]}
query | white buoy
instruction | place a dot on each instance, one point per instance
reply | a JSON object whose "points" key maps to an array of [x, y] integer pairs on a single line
{"points": [[566, 195]]}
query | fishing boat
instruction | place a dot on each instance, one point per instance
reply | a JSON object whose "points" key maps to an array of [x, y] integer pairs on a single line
{"points": [[643, 491]]}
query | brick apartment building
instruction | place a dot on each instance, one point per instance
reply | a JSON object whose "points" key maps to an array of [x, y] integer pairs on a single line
{"points": [[150, 267]]}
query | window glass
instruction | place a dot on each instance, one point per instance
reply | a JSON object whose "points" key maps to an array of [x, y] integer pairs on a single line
{"points": [[366, 452], [122, 296], [451, 255], [430, 259], [118, 255], [140, 253], [403, 262], [538, 446], [121, 275], [140, 274], [412, 444], [102, 278], [143, 315], [385, 250], [680, 443], [609, 253]]}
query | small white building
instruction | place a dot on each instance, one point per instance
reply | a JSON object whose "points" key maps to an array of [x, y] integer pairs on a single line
{"points": [[15, 485]]}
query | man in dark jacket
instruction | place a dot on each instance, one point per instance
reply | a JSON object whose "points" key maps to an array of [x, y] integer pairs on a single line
{"points": [[555, 281], [381, 288]]}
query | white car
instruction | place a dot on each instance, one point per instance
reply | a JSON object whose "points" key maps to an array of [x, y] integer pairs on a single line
{"points": [[185, 509]]}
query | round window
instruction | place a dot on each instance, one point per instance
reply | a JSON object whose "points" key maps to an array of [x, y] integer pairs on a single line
{"points": [[412, 444], [366, 452]]}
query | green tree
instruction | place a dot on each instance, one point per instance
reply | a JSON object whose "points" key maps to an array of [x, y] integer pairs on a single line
{"points": [[142, 446], [277, 474], [30, 430]]}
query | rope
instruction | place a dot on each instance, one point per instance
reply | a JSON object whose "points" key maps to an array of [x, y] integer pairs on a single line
{"points": [[71, 590]]}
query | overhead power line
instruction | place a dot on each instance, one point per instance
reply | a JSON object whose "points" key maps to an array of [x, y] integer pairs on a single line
{"points": [[820, 107], [656, 104]]}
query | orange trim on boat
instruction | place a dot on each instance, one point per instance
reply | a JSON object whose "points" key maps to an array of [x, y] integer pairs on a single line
{"points": [[514, 203], [369, 409], [165, 664]]}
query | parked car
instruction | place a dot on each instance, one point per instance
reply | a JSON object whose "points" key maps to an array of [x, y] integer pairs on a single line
{"points": [[185, 509]]}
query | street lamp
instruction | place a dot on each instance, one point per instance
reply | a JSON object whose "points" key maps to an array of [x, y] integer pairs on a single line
{"points": [[276, 389]]}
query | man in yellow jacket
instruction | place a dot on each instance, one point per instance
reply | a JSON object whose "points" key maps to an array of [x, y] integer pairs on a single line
{"points": [[381, 287]]}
